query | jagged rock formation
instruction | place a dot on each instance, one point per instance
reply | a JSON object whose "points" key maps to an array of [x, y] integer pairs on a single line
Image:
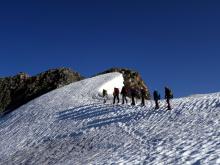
{"points": [[18, 90], [132, 79]]}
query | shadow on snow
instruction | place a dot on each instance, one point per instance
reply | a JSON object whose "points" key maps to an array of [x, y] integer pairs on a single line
{"points": [[101, 115]]}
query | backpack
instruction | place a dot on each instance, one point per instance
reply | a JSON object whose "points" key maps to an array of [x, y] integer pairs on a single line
{"points": [[143, 92], [104, 93], [169, 93], [124, 91], [116, 91], [159, 96], [156, 95]]}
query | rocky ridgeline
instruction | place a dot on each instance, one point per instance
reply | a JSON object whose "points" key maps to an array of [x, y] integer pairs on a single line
{"points": [[18, 90], [132, 79]]}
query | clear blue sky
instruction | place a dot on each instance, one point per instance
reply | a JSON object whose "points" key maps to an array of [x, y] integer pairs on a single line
{"points": [[174, 43]]}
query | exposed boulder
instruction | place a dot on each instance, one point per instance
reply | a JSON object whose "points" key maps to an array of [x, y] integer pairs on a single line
{"points": [[18, 90], [132, 79]]}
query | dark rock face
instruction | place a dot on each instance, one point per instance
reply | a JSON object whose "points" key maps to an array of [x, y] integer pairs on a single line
{"points": [[18, 90], [132, 79]]}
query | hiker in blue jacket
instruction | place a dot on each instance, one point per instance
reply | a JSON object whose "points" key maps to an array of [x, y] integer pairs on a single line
{"points": [[168, 96], [156, 99]]}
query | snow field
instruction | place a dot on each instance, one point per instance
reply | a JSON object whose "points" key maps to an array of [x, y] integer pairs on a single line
{"points": [[71, 125]]}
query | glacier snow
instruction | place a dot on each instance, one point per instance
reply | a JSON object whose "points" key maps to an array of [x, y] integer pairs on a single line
{"points": [[71, 125]]}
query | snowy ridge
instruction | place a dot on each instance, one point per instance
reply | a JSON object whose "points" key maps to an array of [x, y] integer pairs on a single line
{"points": [[71, 125]]}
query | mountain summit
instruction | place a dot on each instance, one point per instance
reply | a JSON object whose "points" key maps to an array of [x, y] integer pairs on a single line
{"points": [[132, 79], [18, 90]]}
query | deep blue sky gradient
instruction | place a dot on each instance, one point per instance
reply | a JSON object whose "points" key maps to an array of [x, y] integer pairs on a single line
{"points": [[174, 43]]}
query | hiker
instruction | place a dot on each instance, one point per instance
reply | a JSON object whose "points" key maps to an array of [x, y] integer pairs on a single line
{"points": [[133, 95], [143, 95], [156, 99], [116, 95], [168, 96], [105, 95], [124, 94]]}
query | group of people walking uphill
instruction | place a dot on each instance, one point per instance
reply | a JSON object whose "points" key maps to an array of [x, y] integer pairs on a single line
{"points": [[141, 93], [168, 97]]}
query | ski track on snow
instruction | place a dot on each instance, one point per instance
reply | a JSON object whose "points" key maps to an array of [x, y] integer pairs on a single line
{"points": [[71, 125]]}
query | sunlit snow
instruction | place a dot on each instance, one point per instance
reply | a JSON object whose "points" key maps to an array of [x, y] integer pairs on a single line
{"points": [[71, 125]]}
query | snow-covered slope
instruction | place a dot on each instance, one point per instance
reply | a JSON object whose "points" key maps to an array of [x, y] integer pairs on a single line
{"points": [[71, 125]]}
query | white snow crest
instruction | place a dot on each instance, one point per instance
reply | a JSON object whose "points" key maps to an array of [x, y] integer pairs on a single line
{"points": [[117, 82]]}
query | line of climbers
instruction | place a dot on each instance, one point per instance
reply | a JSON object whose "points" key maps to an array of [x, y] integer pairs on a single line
{"points": [[135, 92]]}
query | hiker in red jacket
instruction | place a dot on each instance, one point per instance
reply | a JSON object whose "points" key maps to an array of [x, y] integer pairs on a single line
{"points": [[116, 95]]}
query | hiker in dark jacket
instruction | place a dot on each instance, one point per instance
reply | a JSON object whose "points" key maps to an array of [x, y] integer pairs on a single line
{"points": [[105, 95], [116, 95], [133, 95], [124, 94], [143, 95], [156, 99], [168, 96]]}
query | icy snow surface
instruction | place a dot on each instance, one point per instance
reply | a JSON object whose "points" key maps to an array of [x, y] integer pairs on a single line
{"points": [[71, 125]]}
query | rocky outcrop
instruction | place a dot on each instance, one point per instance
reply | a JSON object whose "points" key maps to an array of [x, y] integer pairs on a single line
{"points": [[18, 90], [132, 79]]}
